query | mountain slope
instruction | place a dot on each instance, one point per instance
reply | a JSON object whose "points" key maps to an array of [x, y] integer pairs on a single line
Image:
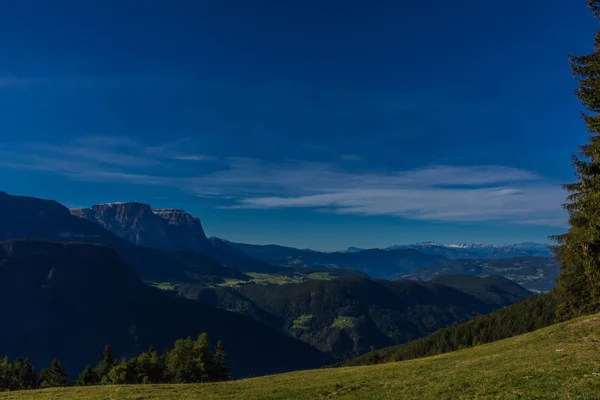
{"points": [[166, 229], [68, 300], [493, 289], [534, 273], [350, 315], [528, 315], [28, 217], [558, 362]]}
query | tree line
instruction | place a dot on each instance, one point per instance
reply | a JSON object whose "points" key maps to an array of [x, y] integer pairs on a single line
{"points": [[188, 361]]}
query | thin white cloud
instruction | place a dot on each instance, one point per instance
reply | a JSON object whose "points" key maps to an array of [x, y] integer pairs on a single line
{"points": [[433, 193], [194, 157], [351, 157]]}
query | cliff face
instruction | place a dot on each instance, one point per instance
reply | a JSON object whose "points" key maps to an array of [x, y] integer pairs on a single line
{"points": [[184, 229], [167, 229]]}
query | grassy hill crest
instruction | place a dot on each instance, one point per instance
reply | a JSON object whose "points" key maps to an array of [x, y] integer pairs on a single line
{"points": [[558, 362]]}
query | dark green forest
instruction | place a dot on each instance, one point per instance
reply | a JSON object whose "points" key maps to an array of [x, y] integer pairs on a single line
{"points": [[348, 316], [526, 316]]}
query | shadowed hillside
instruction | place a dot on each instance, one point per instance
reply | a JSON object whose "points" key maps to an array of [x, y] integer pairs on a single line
{"points": [[351, 315], [69, 300]]}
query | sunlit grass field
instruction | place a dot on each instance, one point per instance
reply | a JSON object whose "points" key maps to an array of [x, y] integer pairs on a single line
{"points": [[558, 362]]}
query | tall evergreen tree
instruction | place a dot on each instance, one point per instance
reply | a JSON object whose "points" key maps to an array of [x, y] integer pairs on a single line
{"points": [[107, 363], [55, 376], [221, 369], [4, 374], [578, 287]]}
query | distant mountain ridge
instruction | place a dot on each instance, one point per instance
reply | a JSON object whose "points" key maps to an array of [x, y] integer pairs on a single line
{"points": [[479, 250], [376, 263], [537, 274]]}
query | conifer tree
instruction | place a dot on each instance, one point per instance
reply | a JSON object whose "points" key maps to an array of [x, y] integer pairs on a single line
{"points": [[4, 374], [23, 375], [221, 369], [88, 377], [578, 287], [55, 376], [107, 363]]}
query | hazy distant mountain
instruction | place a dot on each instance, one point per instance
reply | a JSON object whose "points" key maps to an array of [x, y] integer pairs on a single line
{"points": [[352, 250], [534, 273], [479, 250], [168, 229], [69, 300], [376, 263], [348, 316]]}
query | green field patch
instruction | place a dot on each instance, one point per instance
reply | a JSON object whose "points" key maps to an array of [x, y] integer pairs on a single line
{"points": [[345, 322], [261, 279], [168, 286], [301, 323], [319, 276]]}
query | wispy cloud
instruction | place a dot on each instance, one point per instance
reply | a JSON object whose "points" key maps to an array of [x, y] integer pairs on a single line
{"points": [[351, 157], [17, 81], [434, 193], [194, 157]]}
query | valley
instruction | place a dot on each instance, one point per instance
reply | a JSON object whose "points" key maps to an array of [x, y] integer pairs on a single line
{"points": [[337, 303]]}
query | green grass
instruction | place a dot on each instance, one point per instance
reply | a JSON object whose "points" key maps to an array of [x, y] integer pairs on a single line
{"points": [[558, 362], [301, 322], [344, 322], [276, 279], [261, 279], [319, 276], [164, 285]]}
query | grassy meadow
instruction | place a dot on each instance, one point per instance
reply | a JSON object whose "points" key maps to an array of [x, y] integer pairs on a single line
{"points": [[559, 362]]}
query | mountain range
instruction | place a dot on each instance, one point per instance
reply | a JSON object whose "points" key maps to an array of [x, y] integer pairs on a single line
{"points": [[479, 250], [176, 238], [72, 287]]}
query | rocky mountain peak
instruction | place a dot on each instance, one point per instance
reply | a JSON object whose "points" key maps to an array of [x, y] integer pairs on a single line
{"points": [[177, 217], [170, 229]]}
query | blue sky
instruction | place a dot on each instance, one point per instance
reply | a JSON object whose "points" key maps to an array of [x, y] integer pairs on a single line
{"points": [[305, 123]]}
